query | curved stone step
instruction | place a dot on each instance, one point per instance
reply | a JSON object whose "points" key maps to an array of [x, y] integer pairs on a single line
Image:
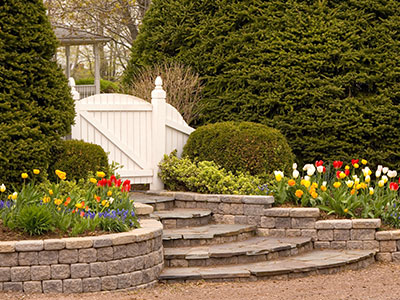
{"points": [[248, 251], [183, 217], [315, 262], [157, 202], [207, 235]]}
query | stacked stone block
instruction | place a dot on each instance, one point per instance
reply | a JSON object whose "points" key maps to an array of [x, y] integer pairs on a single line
{"points": [[88, 264]]}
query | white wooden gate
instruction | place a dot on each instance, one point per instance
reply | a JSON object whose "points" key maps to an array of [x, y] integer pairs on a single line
{"points": [[134, 132]]}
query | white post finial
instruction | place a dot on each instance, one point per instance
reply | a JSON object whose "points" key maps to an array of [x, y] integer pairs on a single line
{"points": [[158, 92], [158, 96]]}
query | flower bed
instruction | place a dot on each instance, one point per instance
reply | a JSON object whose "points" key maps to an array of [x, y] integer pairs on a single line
{"points": [[87, 264], [351, 191], [68, 207]]}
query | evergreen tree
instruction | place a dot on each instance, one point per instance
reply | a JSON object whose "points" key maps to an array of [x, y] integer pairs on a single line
{"points": [[326, 73], [36, 108]]}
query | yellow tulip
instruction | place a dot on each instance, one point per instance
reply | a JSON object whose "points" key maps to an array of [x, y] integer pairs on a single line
{"points": [[2, 188], [109, 193], [346, 210], [299, 193], [93, 180], [371, 191], [51, 192], [24, 175], [36, 171], [347, 167], [364, 162], [315, 185], [57, 201], [314, 195], [323, 188], [349, 183], [14, 195], [367, 179], [356, 166], [342, 175], [381, 183], [46, 199], [337, 184]]}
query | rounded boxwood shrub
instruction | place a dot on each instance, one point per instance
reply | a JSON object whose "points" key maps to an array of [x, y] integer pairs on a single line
{"points": [[240, 146], [77, 159]]}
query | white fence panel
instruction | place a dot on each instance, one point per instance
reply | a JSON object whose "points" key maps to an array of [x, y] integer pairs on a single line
{"points": [[135, 133]]}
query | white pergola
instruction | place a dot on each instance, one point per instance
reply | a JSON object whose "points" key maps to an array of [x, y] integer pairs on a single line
{"points": [[69, 36]]}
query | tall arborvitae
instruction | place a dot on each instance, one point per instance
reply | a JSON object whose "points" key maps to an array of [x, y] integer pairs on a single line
{"points": [[36, 108], [326, 73]]}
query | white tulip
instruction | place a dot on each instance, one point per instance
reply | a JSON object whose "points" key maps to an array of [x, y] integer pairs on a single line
{"points": [[320, 169], [311, 170], [378, 173], [296, 174], [380, 167], [385, 169], [385, 178], [324, 183], [294, 166], [307, 178], [392, 174]]}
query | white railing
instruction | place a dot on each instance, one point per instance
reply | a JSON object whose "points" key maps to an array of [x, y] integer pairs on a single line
{"points": [[86, 90]]}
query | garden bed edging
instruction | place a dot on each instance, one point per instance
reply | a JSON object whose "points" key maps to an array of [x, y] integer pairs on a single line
{"points": [[126, 260]]}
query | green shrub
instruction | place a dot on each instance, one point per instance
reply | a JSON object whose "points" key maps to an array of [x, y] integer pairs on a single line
{"points": [[36, 107], [244, 147], [35, 219], [77, 159], [325, 73], [205, 177], [106, 86]]}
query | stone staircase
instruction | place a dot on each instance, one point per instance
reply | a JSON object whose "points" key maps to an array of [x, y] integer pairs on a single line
{"points": [[196, 248]]}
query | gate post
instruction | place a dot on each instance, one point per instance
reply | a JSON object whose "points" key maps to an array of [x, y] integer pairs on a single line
{"points": [[75, 130], [158, 96]]}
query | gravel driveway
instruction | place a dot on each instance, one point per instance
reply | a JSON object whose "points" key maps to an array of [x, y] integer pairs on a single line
{"points": [[379, 281]]}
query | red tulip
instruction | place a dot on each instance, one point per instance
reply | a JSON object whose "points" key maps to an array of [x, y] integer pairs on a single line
{"points": [[354, 161], [113, 179], [337, 164], [393, 186], [338, 174], [319, 163], [323, 169], [347, 172], [126, 186]]}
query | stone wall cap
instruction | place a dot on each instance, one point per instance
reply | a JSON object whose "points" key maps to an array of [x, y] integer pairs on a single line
{"points": [[29, 245], [256, 199], [366, 223], [277, 212], [304, 212], [7, 246], [142, 209]]}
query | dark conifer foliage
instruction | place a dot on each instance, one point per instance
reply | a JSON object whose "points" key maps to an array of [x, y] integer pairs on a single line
{"points": [[36, 108], [326, 73]]}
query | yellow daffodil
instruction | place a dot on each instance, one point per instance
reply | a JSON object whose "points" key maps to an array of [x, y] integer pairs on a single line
{"points": [[57, 201], [105, 203], [14, 195], [299, 193], [346, 210], [100, 174], [337, 184], [24, 175], [51, 192], [46, 199], [62, 175]]}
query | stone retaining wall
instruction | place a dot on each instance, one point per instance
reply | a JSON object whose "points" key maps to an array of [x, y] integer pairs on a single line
{"points": [[228, 209], [295, 222], [87, 264]]}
